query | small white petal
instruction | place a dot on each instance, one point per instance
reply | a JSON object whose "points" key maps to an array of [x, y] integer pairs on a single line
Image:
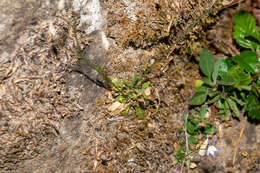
{"points": [[203, 148]]}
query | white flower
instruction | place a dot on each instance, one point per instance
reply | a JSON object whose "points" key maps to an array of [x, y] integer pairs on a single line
{"points": [[211, 148]]}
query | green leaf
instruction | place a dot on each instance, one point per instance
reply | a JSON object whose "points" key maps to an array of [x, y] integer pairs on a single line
{"points": [[207, 80], [253, 106], [192, 127], [193, 112], [198, 83], [117, 83], [240, 102], [212, 93], [245, 29], [227, 80], [220, 104], [134, 81], [214, 99], [121, 99], [180, 153], [233, 105], [192, 140], [256, 87], [242, 79], [127, 84], [248, 61], [216, 70], [200, 96], [145, 85], [224, 66], [203, 111], [125, 112], [139, 112], [206, 62], [132, 95], [211, 130]]}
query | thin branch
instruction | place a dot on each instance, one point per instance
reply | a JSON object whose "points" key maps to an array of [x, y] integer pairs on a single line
{"points": [[240, 136], [187, 144]]}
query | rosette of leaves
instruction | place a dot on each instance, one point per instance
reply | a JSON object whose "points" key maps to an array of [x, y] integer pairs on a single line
{"points": [[133, 95]]}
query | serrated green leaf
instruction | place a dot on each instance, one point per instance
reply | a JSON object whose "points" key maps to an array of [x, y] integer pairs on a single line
{"points": [[248, 61], [242, 79], [216, 70], [206, 62], [139, 112], [232, 104], [244, 29], [199, 97], [224, 66], [253, 106]]}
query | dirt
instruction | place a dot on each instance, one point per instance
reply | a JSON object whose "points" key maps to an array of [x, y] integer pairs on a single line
{"points": [[54, 109]]}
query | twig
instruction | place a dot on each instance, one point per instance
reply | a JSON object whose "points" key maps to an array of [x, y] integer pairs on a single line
{"points": [[187, 145], [240, 136]]}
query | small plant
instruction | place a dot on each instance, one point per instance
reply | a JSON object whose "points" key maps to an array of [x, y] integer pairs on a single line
{"points": [[233, 85], [196, 124], [134, 95]]}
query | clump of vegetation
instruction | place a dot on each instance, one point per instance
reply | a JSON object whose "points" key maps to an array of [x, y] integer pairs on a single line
{"points": [[196, 123], [233, 84], [133, 95]]}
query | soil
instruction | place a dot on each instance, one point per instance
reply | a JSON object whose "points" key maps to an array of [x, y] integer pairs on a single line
{"points": [[54, 111]]}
